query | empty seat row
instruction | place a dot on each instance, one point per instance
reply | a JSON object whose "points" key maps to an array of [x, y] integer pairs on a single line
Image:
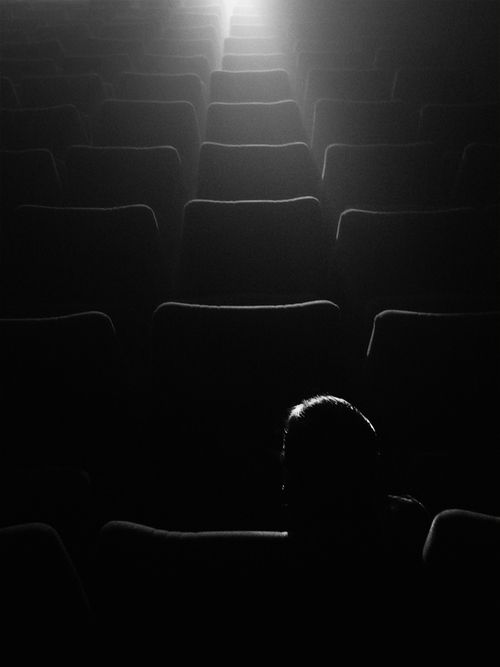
{"points": [[248, 581], [87, 90], [421, 368], [335, 121], [164, 170], [107, 65], [417, 261], [102, 259], [452, 126], [126, 258], [412, 86], [144, 31], [185, 42]]}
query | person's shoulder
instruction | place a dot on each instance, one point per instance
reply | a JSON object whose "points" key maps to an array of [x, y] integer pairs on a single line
{"points": [[409, 515]]}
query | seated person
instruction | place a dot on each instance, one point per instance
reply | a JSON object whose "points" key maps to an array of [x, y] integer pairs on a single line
{"points": [[351, 535]]}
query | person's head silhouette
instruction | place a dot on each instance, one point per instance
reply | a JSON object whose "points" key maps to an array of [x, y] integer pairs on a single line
{"points": [[331, 464]]}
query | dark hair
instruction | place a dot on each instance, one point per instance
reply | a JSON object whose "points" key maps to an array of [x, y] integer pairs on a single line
{"points": [[330, 451]]}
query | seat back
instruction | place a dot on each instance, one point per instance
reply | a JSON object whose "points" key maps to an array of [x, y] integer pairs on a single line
{"points": [[16, 69], [29, 177], [255, 123], [478, 176], [186, 48], [383, 177], [143, 31], [460, 556], [345, 122], [225, 362], [241, 62], [188, 20], [252, 252], [249, 45], [66, 33], [250, 86], [63, 260], [150, 123], [157, 64], [85, 91], [53, 128], [329, 60], [433, 379], [231, 173], [41, 587], [8, 94], [108, 67], [50, 49], [203, 32], [165, 88], [62, 371], [232, 578], [397, 57], [253, 31], [354, 85], [421, 86], [105, 47], [390, 259]]}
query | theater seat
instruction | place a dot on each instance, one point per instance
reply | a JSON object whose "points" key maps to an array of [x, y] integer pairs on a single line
{"points": [[453, 126], [193, 582], [328, 60], [460, 555], [383, 177], [354, 85], [108, 67], [252, 252], [255, 31], [104, 177], [16, 69], [243, 45], [202, 32], [143, 31], [345, 122], [8, 94], [396, 57], [421, 86], [433, 380], [43, 596], [29, 177], [478, 176], [251, 86], [442, 260], [50, 49], [157, 64], [186, 48], [188, 20], [147, 124], [255, 123], [230, 173], [62, 372], [85, 91], [238, 369], [236, 62], [54, 128], [134, 49], [64, 260], [165, 88], [65, 32]]}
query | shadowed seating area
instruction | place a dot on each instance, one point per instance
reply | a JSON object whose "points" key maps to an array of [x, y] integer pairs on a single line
{"points": [[249, 329]]}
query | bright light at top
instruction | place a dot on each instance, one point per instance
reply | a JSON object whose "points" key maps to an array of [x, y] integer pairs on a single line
{"points": [[247, 6]]}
